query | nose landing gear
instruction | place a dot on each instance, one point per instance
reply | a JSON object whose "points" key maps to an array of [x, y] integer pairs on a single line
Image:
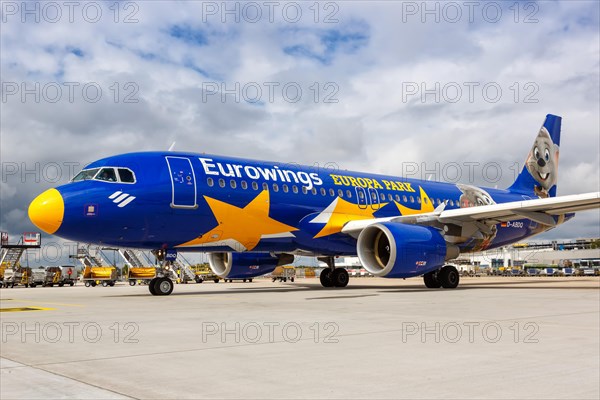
{"points": [[162, 284]]}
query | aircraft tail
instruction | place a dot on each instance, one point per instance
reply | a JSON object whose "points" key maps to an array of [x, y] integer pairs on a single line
{"points": [[540, 172]]}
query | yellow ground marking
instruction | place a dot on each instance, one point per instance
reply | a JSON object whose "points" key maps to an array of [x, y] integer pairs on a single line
{"points": [[19, 309]]}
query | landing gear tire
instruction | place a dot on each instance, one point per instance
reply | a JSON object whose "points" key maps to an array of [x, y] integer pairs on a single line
{"points": [[431, 280], [448, 277], [215, 280], [163, 287], [340, 277], [325, 278], [151, 286]]}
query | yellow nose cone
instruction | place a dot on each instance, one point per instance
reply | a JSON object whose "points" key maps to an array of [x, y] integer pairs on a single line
{"points": [[47, 210]]}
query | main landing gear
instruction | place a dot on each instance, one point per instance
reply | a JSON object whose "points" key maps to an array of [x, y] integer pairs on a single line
{"points": [[332, 276], [446, 277]]}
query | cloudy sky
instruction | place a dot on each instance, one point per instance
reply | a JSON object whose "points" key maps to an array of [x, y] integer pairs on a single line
{"points": [[451, 90]]}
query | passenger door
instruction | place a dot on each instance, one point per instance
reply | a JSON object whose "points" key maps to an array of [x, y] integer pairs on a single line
{"points": [[183, 182]]}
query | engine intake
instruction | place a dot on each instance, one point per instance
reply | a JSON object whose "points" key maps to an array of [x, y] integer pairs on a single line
{"points": [[398, 250]]}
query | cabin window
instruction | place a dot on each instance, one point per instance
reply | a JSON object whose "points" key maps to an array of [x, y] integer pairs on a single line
{"points": [[285, 188], [295, 189], [265, 186], [398, 198], [222, 183], [412, 199], [348, 194], [233, 184], [314, 191], [331, 192], [275, 187], [340, 193], [452, 203], [254, 185], [424, 200], [107, 175], [382, 196], [126, 175], [244, 185], [323, 192], [304, 189], [86, 175], [404, 199], [361, 194], [390, 197], [210, 182]]}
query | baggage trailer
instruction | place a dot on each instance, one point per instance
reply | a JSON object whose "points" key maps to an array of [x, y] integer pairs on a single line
{"points": [[13, 277], [204, 273], [141, 275], [283, 274], [38, 277], [60, 276], [106, 276]]}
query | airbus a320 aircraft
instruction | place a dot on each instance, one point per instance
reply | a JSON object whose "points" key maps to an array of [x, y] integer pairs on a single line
{"points": [[251, 216]]}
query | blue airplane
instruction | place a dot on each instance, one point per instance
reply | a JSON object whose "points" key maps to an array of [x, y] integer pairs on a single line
{"points": [[251, 216]]}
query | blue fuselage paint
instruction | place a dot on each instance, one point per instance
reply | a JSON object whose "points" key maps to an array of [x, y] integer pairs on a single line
{"points": [[168, 204]]}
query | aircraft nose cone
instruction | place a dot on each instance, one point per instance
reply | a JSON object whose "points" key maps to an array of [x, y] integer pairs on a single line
{"points": [[47, 210]]}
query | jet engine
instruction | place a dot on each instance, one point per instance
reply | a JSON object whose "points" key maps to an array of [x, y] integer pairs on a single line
{"points": [[246, 265], [397, 250]]}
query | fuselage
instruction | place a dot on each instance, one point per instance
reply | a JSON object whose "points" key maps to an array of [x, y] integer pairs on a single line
{"points": [[199, 202]]}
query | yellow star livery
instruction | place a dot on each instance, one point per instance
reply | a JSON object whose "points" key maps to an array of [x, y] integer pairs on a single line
{"points": [[251, 216]]}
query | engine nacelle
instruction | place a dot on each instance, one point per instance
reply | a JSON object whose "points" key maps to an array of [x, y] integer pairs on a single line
{"points": [[246, 265], [397, 250]]}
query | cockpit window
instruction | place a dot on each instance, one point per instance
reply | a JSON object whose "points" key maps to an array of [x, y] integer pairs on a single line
{"points": [[85, 175], [107, 174], [126, 175]]}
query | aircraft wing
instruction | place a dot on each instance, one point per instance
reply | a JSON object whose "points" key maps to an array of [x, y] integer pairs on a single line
{"points": [[539, 210]]}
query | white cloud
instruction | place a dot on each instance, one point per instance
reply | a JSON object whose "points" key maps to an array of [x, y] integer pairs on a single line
{"points": [[374, 51]]}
